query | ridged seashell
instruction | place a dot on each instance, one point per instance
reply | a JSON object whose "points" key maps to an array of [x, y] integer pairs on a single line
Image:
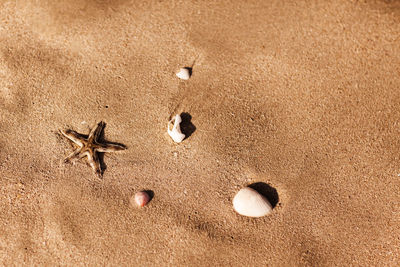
{"points": [[176, 133], [184, 73], [142, 198], [248, 202]]}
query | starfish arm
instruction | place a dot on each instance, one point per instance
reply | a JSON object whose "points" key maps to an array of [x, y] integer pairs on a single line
{"points": [[73, 156], [95, 132], [110, 147], [73, 136], [94, 162]]}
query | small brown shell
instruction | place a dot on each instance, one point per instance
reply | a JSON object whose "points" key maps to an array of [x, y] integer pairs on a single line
{"points": [[142, 198]]}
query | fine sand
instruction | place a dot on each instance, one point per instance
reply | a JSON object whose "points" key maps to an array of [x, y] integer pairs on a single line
{"points": [[300, 97]]}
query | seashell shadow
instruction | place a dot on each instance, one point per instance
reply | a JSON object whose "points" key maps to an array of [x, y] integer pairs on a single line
{"points": [[267, 191], [187, 127], [190, 69], [150, 193]]}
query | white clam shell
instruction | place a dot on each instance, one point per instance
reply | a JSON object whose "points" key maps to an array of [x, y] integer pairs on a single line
{"points": [[184, 74], [176, 133], [248, 202]]}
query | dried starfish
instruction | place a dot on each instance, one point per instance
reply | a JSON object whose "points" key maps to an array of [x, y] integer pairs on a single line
{"points": [[90, 146]]}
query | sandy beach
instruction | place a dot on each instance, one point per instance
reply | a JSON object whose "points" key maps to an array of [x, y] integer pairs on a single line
{"points": [[300, 97]]}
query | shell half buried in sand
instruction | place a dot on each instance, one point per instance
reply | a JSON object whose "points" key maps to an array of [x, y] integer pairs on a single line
{"points": [[176, 133], [184, 73], [248, 202]]}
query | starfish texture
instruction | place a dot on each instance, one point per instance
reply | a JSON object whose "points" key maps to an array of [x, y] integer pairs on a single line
{"points": [[90, 146]]}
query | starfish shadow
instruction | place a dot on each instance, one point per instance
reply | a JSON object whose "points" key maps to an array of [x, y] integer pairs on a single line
{"points": [[103, 165]]}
